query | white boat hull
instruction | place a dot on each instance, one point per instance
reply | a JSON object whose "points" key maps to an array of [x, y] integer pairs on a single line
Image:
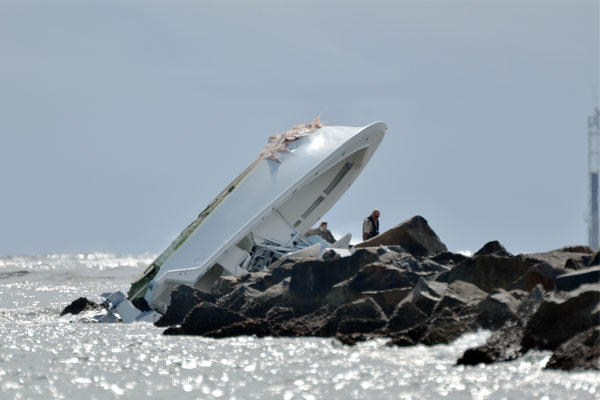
{"points": [[263, 213]]}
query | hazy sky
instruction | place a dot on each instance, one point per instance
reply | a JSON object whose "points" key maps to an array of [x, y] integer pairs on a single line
{"points": [[120, 122]]}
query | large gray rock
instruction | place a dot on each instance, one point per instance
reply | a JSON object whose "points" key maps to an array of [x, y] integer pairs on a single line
{"points": [[496, 309], [427, 294], [263, 280], [447, 326], [581, 352], [459, 294], [279, 273], [387, 281], [541, 274], [379, 276], [205, 317], [388, 299], [278, 315], [341, 293], [256, 280], [573, 280], [419, 265], [259, 280], [559, 318], [361, 316], [406, 316], [235, 300], [414, 235], [183, 299], [443, 327], [312, 280], [435, 313], [304, 325], [258, 306], [226, 284], [505, 343], [489, 272], [578, 262], [558, 258]]}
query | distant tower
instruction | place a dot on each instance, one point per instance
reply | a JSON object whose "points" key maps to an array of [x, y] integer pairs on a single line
{"points": [[594, 168]]}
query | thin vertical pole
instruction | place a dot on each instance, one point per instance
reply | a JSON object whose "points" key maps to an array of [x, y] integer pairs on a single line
{"points": [[594, 170]]}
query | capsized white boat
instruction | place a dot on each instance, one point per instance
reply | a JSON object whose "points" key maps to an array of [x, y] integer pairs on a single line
{"points": [[260, 216]]}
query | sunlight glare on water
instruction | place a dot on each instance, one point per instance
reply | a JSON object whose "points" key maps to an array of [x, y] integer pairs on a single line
{"points": [[43, 356]]}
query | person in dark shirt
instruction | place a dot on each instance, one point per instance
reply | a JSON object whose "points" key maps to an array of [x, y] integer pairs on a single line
{"points": [[371, 225]]}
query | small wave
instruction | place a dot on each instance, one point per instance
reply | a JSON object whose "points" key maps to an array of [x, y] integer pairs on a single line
{"points": [[13, 274]]}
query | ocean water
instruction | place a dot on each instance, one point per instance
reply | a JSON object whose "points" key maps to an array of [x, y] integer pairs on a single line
{"points": [[44, 356]]}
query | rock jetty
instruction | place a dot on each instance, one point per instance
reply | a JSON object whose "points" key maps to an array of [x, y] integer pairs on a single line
{"points": [[405, 285]]}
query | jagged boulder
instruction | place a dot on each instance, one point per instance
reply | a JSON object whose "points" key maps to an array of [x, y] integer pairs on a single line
{"points": [[414, 235], [489, 272], [581, 352], [426, 295], [494, 247], [256, 280], [235, 300], [448, 313], [406, 316], [312, 280], [573, 280], [387, 281], [183, 299], [205, 317], [459, 294], [578, 263], [380, 276], [388, 299], [279, 272], [303, 325], [263, 280], [447, 326], [496, 309], [341, 293], [79, 305], [541, 274], [558, 258], [505, 343], [361, 316], [258, 306], [559, 318], [278, 315], [419, 266], [226, 284]]}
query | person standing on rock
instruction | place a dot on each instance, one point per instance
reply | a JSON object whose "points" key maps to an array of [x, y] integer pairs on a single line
{"points": [[321, 231], [371, 225]]}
